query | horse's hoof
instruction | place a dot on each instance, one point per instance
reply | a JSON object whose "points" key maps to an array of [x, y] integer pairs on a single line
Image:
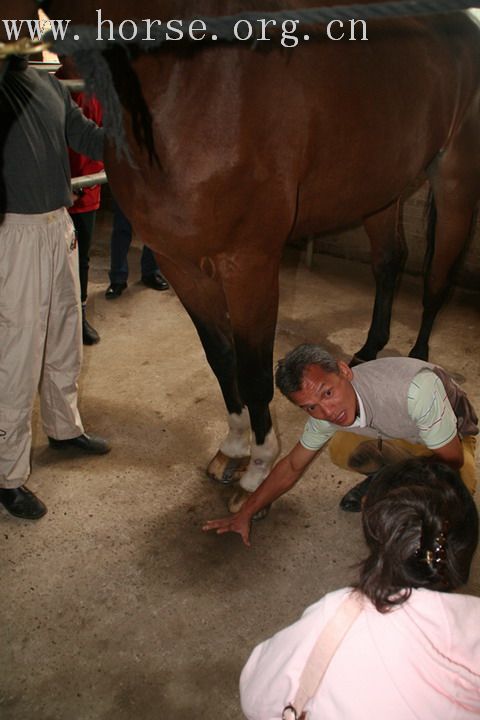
{"points": [[356, 361], [261, 514], [226, 470], [419, 353], [238, 500]]}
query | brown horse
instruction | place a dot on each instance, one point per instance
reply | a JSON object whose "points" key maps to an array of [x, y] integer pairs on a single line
{"points": [[239, 149]]}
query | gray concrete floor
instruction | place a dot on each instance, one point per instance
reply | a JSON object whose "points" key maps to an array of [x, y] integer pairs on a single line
{"points": [[116, 606]]}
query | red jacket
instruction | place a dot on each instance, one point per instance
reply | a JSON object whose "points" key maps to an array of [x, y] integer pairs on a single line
{"points": [[80, 164]]}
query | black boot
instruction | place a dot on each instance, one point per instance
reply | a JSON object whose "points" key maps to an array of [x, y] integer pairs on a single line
{"points": [[89, 335], [352, 500]]}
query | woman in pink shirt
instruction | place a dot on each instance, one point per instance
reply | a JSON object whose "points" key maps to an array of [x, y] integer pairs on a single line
{"points": [[413, 652]]}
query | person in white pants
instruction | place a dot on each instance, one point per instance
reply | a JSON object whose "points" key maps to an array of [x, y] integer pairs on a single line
{"points": [[40, 314]]}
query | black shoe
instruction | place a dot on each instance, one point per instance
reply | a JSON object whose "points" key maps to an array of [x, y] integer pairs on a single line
{"points": [[352, 500], [156, 281], [114, 290], [22, 503], [87, 443], [89, 335]]}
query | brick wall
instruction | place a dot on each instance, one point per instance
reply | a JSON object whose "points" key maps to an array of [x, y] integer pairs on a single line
{"points": [[354, 244]]}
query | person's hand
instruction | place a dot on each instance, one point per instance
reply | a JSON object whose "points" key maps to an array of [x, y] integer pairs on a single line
{"points": [[240, 523]]}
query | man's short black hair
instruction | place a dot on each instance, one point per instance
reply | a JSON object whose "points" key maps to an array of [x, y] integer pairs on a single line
{"points": [[290, 370]]}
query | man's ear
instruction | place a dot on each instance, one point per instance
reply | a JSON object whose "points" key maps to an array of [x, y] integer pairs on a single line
{"points": [[345, 370]]}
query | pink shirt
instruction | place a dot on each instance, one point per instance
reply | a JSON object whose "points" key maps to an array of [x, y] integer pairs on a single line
{"points": [[419, 662]]}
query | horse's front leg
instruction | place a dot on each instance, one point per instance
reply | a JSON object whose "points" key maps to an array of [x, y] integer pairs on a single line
{"points": [[252, 298], [202, 295], [388, 252]]}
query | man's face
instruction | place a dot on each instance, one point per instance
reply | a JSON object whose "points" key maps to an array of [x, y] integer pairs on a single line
{"points": [[328, 396]]}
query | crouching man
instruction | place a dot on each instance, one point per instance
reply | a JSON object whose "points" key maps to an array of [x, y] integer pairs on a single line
{"points": [[370, 416]]}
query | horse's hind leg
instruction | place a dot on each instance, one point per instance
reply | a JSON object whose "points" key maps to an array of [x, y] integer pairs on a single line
{"points": [[455, 181], [388, 253]]}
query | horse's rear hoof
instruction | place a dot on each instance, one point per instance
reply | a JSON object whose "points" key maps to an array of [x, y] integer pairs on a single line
{"points": [[419, 353], [261, 514], [356, 360], [226, 470]]}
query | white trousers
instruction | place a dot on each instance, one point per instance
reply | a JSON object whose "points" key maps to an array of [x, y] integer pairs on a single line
{"points": [[40, 335]]}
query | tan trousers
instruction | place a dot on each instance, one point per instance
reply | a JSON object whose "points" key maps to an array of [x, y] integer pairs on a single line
{"points": [[355, 452], [40, 335]]}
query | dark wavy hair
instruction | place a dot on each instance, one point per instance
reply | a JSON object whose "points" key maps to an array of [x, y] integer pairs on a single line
{"points": [[421, 526]]}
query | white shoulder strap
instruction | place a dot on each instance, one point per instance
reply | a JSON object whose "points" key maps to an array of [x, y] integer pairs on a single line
{"points": [[323, 651]]}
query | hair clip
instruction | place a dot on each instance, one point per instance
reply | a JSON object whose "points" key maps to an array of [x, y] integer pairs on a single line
{"points": [[440, 548], [429, 558], [436, 556]]}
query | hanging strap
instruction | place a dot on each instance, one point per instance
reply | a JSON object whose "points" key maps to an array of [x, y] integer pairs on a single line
{"points": [[322, 653]]}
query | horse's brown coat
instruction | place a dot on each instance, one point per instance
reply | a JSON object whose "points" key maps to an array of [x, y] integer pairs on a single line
{"points": [[258, 146]]}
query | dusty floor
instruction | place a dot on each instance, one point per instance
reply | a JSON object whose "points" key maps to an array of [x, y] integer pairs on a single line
{"points": [[116, 606]]}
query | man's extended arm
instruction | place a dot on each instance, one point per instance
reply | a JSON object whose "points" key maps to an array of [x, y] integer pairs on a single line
{"points": [[282, 477]]}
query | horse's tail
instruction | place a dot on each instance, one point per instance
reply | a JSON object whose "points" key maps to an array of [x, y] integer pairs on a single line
{"points": [[431, 213]]}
